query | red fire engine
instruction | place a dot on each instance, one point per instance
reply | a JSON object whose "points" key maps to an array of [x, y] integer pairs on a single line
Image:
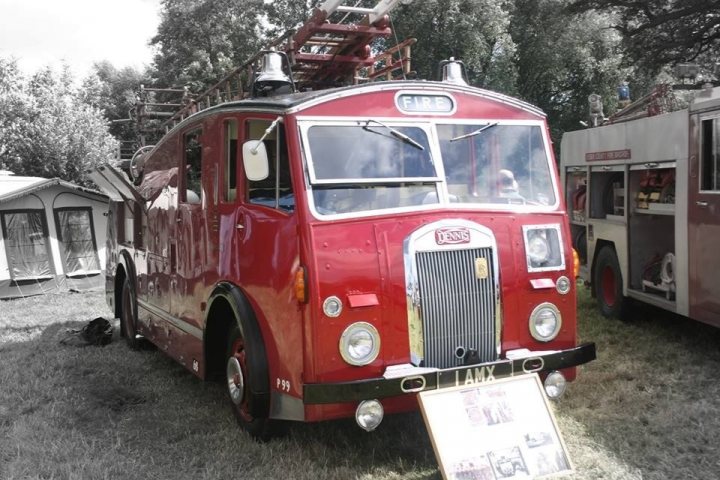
{"points": [[332, 252], [644, 196]]}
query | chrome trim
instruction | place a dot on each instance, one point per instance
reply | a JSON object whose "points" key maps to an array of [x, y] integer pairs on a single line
{"points": [[343, 343], [328, 300], [438, 93], [423, 241], [558, 326], [539, 367], [550, 226], [419, 388]]}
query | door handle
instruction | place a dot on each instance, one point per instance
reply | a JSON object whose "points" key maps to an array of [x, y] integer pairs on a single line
{"points": [[701, 204]]}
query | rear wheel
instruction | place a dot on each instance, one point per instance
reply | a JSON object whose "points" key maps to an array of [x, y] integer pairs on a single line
{"points": [[250, 409], [609, 284], [128, 315]]}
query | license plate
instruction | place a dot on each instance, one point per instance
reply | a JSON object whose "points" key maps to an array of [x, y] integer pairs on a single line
{"points": [[474, 374]]}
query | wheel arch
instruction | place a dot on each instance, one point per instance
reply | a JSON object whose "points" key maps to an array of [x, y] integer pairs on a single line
{"points": [[229, 306]]}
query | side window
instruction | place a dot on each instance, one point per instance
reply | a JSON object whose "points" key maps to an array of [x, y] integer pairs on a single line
{"points": [[193, 167], [710, 155], [229, 191], [276, 190]]}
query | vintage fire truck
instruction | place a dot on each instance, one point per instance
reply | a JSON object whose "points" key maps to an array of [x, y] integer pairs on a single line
{"points": [[331, 252], [643, 193]]}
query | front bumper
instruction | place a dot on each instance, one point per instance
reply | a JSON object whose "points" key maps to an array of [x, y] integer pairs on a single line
{"points": [[409, 379]]}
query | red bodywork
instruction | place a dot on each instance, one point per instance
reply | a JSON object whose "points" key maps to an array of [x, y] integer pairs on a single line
{"points": [[187, 250]]}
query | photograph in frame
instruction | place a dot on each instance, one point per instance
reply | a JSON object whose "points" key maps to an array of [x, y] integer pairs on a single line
{"points": [[495, 431]]}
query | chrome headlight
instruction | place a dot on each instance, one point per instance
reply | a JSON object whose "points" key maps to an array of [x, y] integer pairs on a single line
{"points": [[563, 285], [332, 307], [360, 344], [545, 322], [543, 247]]}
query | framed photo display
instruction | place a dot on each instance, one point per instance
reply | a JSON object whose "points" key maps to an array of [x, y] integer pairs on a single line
{"points": [[495, 431]]}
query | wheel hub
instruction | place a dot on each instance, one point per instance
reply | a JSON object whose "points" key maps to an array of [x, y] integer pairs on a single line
{"points": [[235, 380]]}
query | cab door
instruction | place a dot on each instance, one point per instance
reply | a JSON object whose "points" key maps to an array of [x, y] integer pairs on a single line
{"points": [[259, 244], [704, 218]]}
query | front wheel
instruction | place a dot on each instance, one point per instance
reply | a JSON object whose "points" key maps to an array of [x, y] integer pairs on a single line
{"points": [[609, 284], [244, 403]]}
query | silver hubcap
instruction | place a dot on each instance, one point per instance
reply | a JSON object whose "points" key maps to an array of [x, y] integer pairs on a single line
{"points": [[235, 381]]}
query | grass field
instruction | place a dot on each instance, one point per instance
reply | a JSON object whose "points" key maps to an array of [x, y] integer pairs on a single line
{"points": [[648, 408]]}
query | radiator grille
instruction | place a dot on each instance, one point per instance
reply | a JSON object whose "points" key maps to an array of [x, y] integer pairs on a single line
{"points": [[458, 308]]}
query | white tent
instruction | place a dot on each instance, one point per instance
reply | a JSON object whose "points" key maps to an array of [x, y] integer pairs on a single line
{"points": [[53, 236]]}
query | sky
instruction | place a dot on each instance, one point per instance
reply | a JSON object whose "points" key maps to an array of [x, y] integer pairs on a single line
{"points": [[79, 32]]}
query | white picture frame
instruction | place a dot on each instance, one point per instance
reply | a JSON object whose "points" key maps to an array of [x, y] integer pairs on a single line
{"points": [[499, 430]]}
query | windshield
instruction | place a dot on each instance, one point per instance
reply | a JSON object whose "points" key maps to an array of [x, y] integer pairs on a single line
{"points": [[493, 163], [371, 165]]}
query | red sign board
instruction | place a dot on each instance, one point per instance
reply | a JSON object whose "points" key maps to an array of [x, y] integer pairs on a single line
{"points": [[608, 155]]}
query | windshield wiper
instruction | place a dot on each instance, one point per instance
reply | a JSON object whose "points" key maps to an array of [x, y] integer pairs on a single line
{"points": [[395, 133], [474, 132]]}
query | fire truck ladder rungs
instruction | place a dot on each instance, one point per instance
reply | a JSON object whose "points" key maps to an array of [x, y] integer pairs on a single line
{"points": [[332, 48]]}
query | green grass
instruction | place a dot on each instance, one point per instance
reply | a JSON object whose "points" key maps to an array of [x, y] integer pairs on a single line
{"points": [[647, 408]]}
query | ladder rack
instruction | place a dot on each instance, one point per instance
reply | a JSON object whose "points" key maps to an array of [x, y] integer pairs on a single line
{"points": [[332, 48]]}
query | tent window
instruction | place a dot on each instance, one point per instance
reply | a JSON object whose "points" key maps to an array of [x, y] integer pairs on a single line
{"points": [[26, 244], [77, 237]]}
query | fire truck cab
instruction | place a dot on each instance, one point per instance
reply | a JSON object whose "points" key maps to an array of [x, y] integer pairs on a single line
{"points": [[331, 253]]}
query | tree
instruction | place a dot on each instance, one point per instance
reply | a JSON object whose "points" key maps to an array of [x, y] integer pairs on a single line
{"points": [[198, 42], [115, 92], [660, 32], [47, 129], [562, 58], [474, 31]]}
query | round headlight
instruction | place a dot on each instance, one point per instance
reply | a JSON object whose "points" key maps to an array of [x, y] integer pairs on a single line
{"points": [[555, 384], [545, 322], [369, 414], [332, 306], [538, 249], [360, 344], [563, 285]]}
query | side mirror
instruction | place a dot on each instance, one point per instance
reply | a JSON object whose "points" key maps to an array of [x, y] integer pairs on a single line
{"points": [[255, 160]]}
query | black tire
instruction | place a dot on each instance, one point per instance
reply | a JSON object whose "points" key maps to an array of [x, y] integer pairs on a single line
{"points": [[608, 283], [128, 315], [250, 407]]}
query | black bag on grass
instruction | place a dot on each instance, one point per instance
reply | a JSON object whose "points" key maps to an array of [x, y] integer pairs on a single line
{"points": [[97, 332]]}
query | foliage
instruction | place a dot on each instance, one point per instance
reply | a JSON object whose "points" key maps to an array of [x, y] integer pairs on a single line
{"points": [[115, 91], [660, 32], [475, 32], [46, 127], [562, 58], [198, 42]]}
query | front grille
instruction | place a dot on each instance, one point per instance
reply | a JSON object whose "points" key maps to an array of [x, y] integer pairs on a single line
{"points": [[458, 309]]}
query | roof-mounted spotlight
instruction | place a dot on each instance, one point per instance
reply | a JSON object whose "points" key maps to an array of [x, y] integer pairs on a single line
{"points": [[272, 78], [453, 71]]}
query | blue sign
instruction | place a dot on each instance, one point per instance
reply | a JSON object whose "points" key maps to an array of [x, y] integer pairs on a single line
{"points": [[424, 103]]}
